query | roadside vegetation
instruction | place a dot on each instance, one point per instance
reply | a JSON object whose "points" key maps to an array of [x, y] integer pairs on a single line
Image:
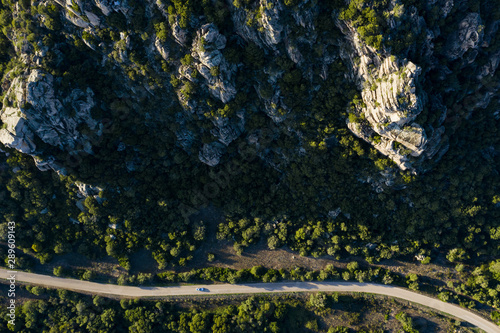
{"points": [[65, 311], [303, 183]]}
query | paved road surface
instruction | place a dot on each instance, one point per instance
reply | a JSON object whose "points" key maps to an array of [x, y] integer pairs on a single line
{"points": [[254, 288]]}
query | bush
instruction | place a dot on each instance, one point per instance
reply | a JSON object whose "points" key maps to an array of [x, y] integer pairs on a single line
{"points": [[257, 271], [406, 322], [187, 60], [215, 71], [495, 316], [444, 296], [353, 266], [59, 271], [88, 275]]}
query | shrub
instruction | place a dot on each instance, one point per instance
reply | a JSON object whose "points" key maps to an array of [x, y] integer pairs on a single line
{"points": [[59, 271], [187, 60]]}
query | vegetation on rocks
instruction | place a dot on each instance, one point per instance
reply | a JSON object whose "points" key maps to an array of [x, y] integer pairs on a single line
{"points": [[139, 114]]}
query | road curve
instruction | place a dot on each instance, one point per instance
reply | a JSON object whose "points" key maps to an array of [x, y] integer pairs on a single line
{"points": [[254, 288]]}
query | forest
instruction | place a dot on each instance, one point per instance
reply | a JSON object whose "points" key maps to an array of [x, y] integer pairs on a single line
{"points": [[294, 176]]}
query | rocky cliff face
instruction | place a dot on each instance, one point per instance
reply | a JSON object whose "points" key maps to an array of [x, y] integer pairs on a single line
{"points": [[212, 65], [262, 26], [32, 110], [299, 43], [390, 103], [393, 90]]}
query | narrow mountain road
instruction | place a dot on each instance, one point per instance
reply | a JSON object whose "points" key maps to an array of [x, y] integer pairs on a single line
{"points": [[254, 288]]}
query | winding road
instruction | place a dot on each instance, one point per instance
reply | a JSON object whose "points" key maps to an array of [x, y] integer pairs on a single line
{"points": [[254, 288]]}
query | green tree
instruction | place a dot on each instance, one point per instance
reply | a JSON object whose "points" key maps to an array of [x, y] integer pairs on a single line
{"points": [[317, 301], [59, 271], [108, 317]]}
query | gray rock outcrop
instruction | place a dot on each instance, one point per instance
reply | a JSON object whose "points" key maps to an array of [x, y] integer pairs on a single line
{"points": [[390, 102], [212, 65], [270, 21], [15, 132], [264, 29], [104, 6], [93, 19], [227, 130], [293, 51], [161, 48], [86, 190], [31, 108], [274, 107], [180, 35], [211, 153], [468, 36]]}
